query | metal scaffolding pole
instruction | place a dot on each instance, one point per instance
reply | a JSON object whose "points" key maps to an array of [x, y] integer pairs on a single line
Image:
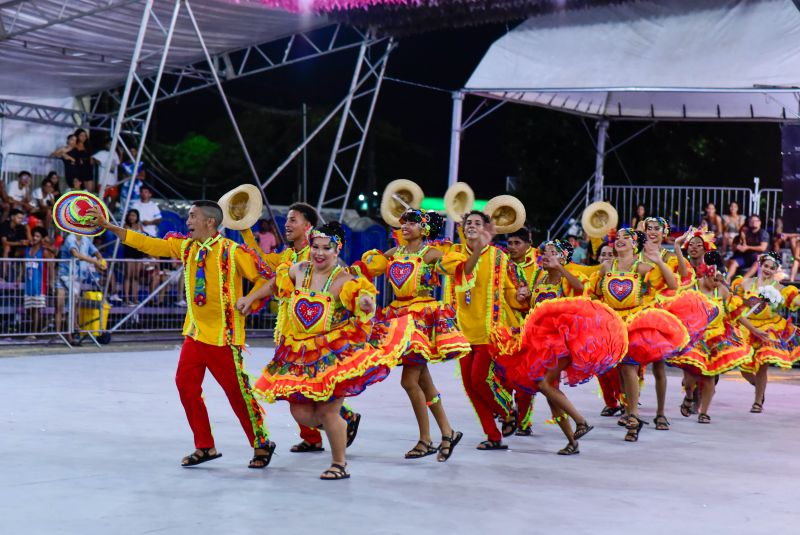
{"points": [[600, 158], [455, 151]]}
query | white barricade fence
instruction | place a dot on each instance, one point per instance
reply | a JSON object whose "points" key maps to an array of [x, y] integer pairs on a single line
{"points": [[64, 299]]}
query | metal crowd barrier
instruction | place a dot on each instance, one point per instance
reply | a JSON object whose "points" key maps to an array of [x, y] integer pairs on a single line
{"points": [[86, 312], [39, 166]]}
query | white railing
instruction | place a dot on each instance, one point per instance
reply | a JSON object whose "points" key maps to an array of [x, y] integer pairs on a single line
{"points": [[13, 163]]}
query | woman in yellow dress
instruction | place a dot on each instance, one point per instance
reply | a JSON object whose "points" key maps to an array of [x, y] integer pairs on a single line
{"points": [[413, 271], [721, 349], [783, 347], [330, 347], [653, 334]]}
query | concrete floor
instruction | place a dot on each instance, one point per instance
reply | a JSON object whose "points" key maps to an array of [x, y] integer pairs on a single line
{"points": [[90, 443]]}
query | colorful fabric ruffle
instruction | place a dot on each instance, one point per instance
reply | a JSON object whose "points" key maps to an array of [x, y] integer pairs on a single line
{"points": [[653, 335], [716, 354], [588, 333], [435, 337], [693, 309], [783, 348], [337, 364]]}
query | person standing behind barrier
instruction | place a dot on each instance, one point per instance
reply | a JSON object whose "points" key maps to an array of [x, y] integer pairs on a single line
{"points": [[81, 248], [35, 299], [82, 168], [133, 270], [148, 210], [214, 328], [107, 164], [754, 243]]}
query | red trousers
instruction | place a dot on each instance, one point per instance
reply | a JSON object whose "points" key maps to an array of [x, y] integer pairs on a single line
{"points": [[611, 387], [474, 375], [524, 403], [225, 364]]}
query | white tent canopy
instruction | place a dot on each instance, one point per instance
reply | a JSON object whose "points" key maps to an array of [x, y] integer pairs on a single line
{"points": [[57, 48], [673, 59]]}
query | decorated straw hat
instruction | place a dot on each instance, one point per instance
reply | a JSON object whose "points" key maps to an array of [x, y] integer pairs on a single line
{"points": [[506, 212], [241, 207], [70, 213]]}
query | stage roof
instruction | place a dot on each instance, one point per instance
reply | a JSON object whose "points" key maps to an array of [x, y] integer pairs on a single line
{"points": [[673, 59], [59, 48]]}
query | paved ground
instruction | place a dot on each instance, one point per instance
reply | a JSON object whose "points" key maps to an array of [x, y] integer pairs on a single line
{"points": [[90, 443]]}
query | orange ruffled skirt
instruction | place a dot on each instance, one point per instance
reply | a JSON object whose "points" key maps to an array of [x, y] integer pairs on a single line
{"points": [[588, 333], [694, 310], [340, 363], [653, 335], [436, 336]]}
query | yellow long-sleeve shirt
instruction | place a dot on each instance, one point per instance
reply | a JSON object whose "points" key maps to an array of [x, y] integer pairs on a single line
{"points": [[217, 322], [484, 297]]}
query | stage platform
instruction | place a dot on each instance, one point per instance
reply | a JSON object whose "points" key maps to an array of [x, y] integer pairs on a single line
{"points": [[91, 443]]}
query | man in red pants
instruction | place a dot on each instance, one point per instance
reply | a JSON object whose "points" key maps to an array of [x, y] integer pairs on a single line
{"points": [[214, 325], [484, 292]]}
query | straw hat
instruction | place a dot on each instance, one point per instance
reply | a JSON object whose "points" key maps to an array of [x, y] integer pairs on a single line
{"points": [[69, 213], [506, 212], [241, 207], [598, 218]]}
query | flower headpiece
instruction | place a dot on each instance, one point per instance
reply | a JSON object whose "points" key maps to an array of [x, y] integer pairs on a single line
{"points": [[564, 249], [418, 216], [316, 233], [707, 237], [660, 221], [771, 255], [635, 235]]}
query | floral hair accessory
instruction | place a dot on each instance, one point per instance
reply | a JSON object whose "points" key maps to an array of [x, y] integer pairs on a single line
{"points": [[772, 255], [707, 237], [418, 216], [660, 221], [564, 249], [316, 233]]}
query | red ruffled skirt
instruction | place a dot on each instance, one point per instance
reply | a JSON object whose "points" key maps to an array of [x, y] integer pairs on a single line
{"points": [[694, 310], [588, 333], [436, 336], [653, 335], [340, 363]]}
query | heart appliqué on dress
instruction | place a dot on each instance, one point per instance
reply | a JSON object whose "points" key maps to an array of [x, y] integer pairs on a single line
{"points": [[308, 312], [712, 314], [620, 289], [400, 272], [544, 296]]}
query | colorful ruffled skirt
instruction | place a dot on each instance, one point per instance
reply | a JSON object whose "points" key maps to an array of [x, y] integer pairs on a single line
{"points": [[588, 333], [436, 336], [783, 348], [720, 351], [340, 363], [653, 335], [694, 310]]}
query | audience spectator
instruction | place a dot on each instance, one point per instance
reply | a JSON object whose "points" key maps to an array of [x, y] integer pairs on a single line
{"points": [[63, 151], [44, 196], [148, 210], [107, 165], [637, 223], [88, 256], [712, 222], [35, 298], [75, 185], [133, 270], [128, 178], [81, 166], [14, 234], [55, 181], [19, 192], [578, 249], [266, 235], [5, 202], [732, 222], [752, 241]]}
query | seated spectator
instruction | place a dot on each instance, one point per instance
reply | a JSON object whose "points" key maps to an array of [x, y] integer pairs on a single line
{"points": [[752, 241], [637, 222], [128, 179], [75, 185], [35, 299], [266, 236], [148, 210], [712, 222], [133, 268], [19, 192], [733, 221], [88, 256], [55, 181], [14, 235], [44, 196]]}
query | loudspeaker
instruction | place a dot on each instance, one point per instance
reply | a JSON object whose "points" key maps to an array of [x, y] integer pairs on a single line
{"points": [[790, 156]]}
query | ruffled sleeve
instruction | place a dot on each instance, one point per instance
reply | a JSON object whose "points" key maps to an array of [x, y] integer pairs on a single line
{"points": [[449, 262], [284, 285], [593, 285], [352, 291], [790, 298], [374, 263], [737, 287], [583, 276]]}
